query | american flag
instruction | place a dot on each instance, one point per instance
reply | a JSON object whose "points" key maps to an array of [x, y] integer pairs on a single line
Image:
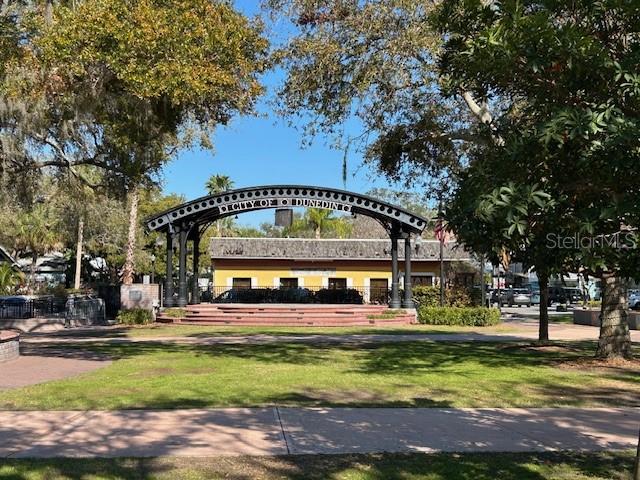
{"points": [[441, 231]]}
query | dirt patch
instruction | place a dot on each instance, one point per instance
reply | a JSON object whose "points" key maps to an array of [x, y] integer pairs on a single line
{"points": [[342, 397], [161, 371], [540, 347], [589, 363], [200, 371], [154, 372]]}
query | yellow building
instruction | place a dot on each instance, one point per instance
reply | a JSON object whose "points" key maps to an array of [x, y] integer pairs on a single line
{"points": [[362, 264]]}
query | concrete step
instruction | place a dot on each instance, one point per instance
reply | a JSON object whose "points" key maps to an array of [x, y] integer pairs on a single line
{"points": [[289, 315], [302, 321], [288, 318], [258, 315], [200, 308], [284, 323]]}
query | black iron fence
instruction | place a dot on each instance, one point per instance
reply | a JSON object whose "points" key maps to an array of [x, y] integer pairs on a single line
{"points": [[312, 294], [18, 307], [76, 310], [85, 311]]}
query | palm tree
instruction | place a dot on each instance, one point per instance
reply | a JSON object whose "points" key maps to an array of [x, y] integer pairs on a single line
{"points": [[218, 184], [36, 233], [321, 221], [10, 278]]}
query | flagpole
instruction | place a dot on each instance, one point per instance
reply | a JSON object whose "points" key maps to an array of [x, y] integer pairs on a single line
{"points": [[441, 237], [442, 272]]}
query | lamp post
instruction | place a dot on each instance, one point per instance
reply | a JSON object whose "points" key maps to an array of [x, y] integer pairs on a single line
{"points": [[153, 268]]}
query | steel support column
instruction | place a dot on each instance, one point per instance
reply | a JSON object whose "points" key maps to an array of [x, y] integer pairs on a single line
{"points": [[182, 268], [407, 302], [195, 288], [168, 282], [395, 283]]}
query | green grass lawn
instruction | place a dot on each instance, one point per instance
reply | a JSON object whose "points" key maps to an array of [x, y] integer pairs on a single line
{"points": [[167, 330], [503, 466], [562, 318], [426, 374]]}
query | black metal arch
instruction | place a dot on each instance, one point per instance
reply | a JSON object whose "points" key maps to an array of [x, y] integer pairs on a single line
{"points": [[186, 222], [212, 207]]}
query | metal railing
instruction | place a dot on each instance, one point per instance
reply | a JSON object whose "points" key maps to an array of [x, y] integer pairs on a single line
{"points": [[17, 307], [311, 294], [85, 311], [76, 310]]}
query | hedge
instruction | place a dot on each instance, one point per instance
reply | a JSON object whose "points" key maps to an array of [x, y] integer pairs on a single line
{"points": [[460, 316], [135, 316], [455, 296]]}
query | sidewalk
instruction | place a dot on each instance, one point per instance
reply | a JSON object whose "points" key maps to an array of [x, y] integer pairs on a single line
{"points": [[523, 331], [278, 431]]}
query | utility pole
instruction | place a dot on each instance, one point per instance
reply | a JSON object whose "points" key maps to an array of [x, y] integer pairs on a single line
{"points": [[78, 276]]}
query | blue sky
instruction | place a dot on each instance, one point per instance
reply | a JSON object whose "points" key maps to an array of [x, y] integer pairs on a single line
{"points": [[265, 150]]}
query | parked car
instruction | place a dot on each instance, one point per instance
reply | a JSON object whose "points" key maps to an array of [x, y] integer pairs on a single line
{"points": [[502, 300], [535, 297], [565, 295], [634, 299], [573, 295], [518, 296]]}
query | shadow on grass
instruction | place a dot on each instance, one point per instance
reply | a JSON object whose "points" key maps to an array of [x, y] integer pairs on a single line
{"points": [[506, 466], [398, 361], [320, 331], [379, 358]]}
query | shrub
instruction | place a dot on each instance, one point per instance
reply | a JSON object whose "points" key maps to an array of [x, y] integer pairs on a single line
{"points": [[460, 316], [456, 296], [387, 315], [135, 316], [175, 312], [426, 296]]}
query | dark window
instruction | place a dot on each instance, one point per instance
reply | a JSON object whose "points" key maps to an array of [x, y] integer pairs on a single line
{"points": [[379, 290], [288, 283], [464, 279], [241, 283], [338, 283], [422, 280]]}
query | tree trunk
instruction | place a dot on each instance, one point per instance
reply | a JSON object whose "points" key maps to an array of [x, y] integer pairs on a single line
{"points": [[76, 283], [614, 341], [543, 329], [32, 276], [636, 465], [318, 232], [127, 272]]}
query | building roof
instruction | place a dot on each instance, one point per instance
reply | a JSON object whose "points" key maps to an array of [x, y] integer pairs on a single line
{"points": [[53, 262], [6, 257], [327, 249]]}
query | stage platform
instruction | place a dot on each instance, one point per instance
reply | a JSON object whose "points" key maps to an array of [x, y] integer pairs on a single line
{"points": [[291, 315]]}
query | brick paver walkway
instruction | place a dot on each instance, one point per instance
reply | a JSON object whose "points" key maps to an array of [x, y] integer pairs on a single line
{"points": [[522, 331], [43, 367], [274, 431]]}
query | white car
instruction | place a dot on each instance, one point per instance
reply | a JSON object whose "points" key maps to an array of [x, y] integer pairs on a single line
{"points": [[634, 299]]}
